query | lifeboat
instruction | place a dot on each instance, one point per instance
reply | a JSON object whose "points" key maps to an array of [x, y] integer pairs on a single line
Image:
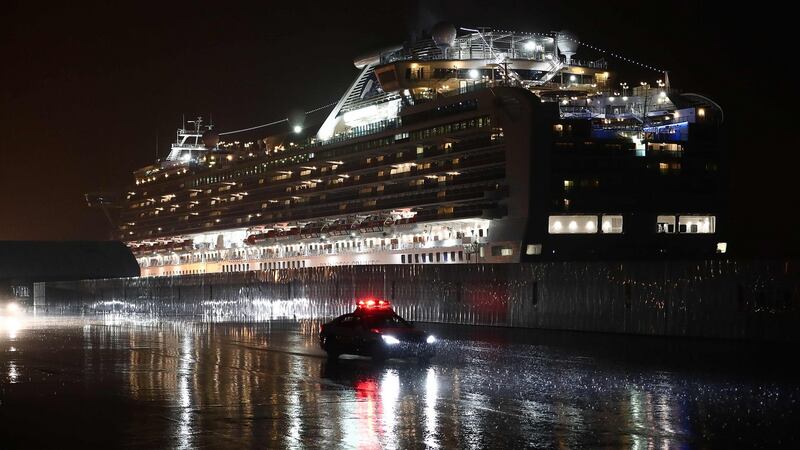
{"points": [[258, 238], [310, 231], [373, 225], [339, 228]]}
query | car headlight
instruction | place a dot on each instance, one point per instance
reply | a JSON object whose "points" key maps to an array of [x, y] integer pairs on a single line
{"points": [[391, 340], [431, 339]]}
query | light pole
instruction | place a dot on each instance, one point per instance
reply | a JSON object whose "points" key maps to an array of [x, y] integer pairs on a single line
{"points": [[646, 87]]}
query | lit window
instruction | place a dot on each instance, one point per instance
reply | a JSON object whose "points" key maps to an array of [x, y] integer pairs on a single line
{"points": [[583, 224], [533, 249], [611, 224], [502, 250], [665, 224], [697, 224]]}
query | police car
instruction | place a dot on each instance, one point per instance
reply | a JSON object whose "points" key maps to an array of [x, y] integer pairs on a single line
{"points": [[375, 330]]}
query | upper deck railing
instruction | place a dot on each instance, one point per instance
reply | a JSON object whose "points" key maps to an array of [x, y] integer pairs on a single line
{"points": [[493, 46]]}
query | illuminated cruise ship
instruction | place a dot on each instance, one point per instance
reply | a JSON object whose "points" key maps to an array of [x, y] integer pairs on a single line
{"points": [[471, 146]]}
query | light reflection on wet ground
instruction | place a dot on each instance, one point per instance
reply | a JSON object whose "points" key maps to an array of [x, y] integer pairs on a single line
{"points": [[117, 381]]}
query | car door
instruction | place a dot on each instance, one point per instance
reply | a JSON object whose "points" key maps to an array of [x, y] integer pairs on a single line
{"points": [[347, 333]]}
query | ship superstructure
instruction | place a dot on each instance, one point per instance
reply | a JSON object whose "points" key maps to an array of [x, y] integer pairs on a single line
{"points": [[471, 146]]}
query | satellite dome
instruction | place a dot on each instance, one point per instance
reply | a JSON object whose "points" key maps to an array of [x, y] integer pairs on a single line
{"points": [[567, 42], [210, 138], [443, 34]]}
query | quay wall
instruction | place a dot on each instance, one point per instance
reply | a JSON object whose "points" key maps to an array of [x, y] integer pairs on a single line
{"points": [[715, 298]]}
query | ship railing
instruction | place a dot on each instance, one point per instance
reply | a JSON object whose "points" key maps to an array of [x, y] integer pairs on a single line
{"points": [[355, 250], [601, 64], [405, 246], [471, 87], [363, 130], [400, 247]]}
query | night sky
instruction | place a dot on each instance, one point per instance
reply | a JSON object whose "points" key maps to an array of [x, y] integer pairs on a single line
{"points": [[86, 90]]}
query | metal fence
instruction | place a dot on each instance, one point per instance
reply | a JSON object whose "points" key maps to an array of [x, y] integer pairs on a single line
{"points": [[704, 298]]}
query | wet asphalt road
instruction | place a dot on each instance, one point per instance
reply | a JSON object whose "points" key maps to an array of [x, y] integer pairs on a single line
{"points": [[119, 381]]}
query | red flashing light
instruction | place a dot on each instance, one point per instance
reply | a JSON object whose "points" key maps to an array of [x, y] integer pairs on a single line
{"points": [[373, 304]]}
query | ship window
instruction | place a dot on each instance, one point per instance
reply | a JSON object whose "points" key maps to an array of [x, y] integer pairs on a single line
{"points": [[697, 224], [665, 224], [439, 256], [578, 224], [611, 224], [416, 258], [502, 250]]}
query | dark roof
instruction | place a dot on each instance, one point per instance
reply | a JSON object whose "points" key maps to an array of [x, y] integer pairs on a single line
{"points": [[65, 260]]}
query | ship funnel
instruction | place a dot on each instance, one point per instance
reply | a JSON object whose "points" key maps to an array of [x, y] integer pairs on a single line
{"points": [[210, 139], [444, 35], [567, 44]]}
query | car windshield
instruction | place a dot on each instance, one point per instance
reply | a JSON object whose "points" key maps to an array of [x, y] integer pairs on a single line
{"points": [[386, 321]]}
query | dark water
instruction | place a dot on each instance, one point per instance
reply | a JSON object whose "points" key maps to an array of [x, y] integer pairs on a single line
{"points": [[128, 381]]}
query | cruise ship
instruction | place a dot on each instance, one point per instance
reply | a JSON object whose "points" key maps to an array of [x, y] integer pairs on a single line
{"points": [[469, 146]]}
